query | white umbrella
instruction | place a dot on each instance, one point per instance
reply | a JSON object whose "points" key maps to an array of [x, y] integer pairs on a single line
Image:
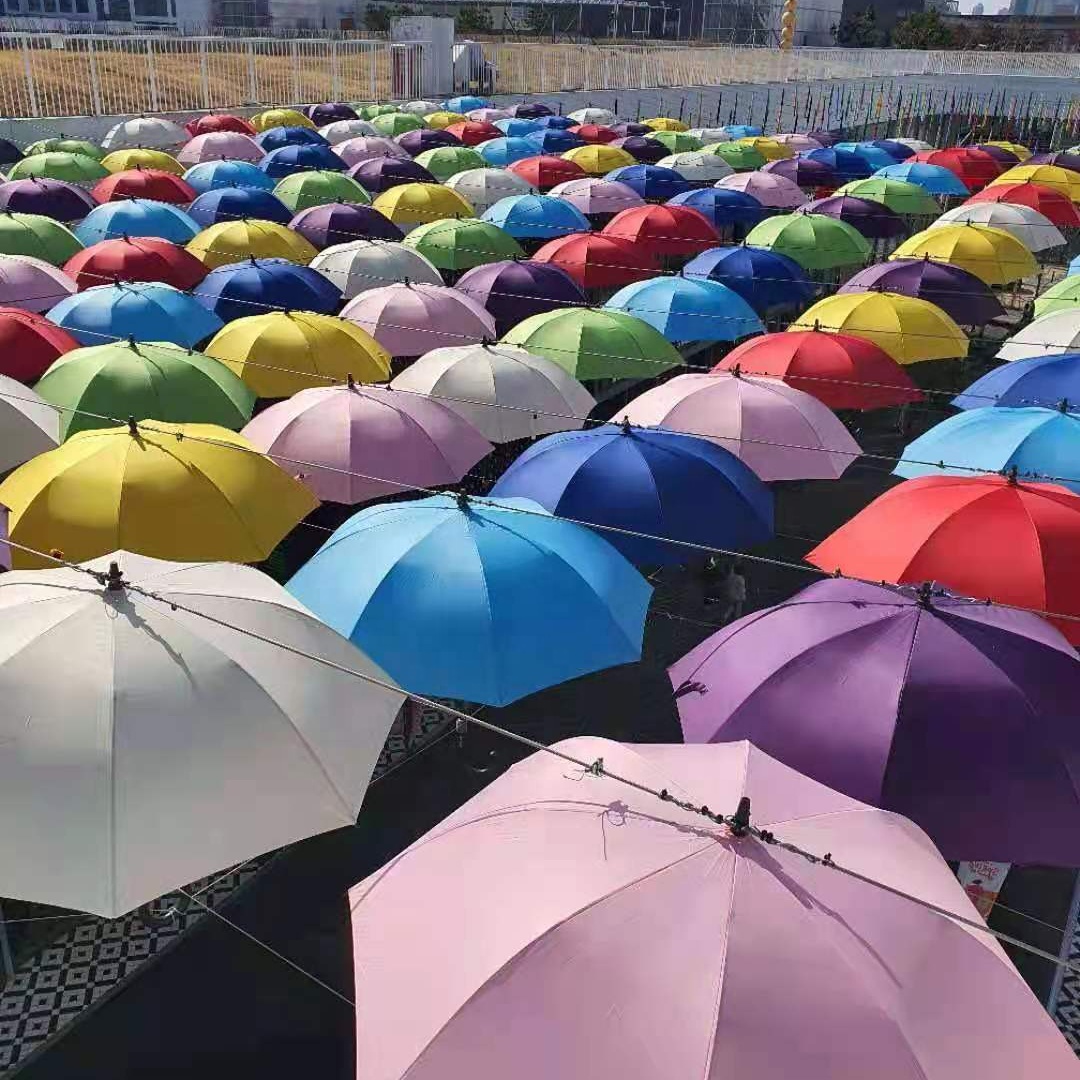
{"points": [[32, 284], [1056, 333], [504, 391], [697, 167], [170, 745], [913, 144], [28, 425], [483, 188], [420, 108], [145, 131], [369, 264], [603, 117], [1034, 230], [342, 130], [709, 135]]}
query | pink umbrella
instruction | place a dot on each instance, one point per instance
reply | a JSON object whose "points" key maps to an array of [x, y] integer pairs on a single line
{"points": [[396, 441], [32, 284], [489, 116], [596, 195], [220, 146], [366, 147], [588, 930], [409, 319], [798, 142], [769, 189]]}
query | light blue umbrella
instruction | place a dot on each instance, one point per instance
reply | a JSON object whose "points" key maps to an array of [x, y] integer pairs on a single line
{"points": [[1038, 380], [484, 600], [688, 309], [518, 127], [537, 217], [1074, 266], [255, 286], [933, 179], [142, 310], [743, 131], [1039, 443], [465, 104], [502, 152], [136, 217], [874, 156], [221, 174]]}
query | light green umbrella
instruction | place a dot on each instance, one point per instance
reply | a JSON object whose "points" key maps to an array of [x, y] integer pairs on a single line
{"points": [[396, 123], [896, 195], [59, 165], [146, 380], [677, 142], [462, 243], [446, 161], [369, 112], [301, 190], [592, 344], [1062, 296], [65, 146], [740, 156], [37, 236], [814, 241]]}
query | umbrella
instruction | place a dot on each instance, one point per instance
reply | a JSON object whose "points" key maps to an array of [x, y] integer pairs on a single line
{"points": [[536, 217], [803, 172], [1038, 380], [517, 127], [841, 371], [420, 107], [769, 149], [666, 231], [331, 112], [369, 112], [272, 118], [49, 198], [975, 168], [696, 167], [1074, 266], [597, 198], [596, 261], [215, 174], [665, 123], [1027, 226], [895, 149], [998, 153], [140, 258], [152, 184], [381, 174], [234, 204], [688, 309], [234, 241], [463, 243], [303, 190], [640, 149], [396, 123], [765, 279], [776, 430], [499, 153], [62, 146], [1063, 295], [966, 299], [871, 219], [595, 133], [933, 179], [598, 159], [366, 147], [622, 130], [342, 130], [1062, 158], [708, 136], [676, 142], [743, 131], [512, 290], [32, 284], [483, 188], [465, 104], [329, 224], [652, 182], [592, 115], [1017, 149], [721, 207], [412, 143], [814, 241], [1055, 333], [217, 145], [235, 688], [473, 132], [740, 156], [488, 116], [9, 152], [291, 159], [29, 343], [506, 393], [533, 110], [409, 205], [914, 145], [368, 264], [516, 572], [1063, 181], [283, 352], [556, 123], [908, 329], [249, 288], [897, 195], [553, 141], [37, 236], [994, 256], [1054, 206], [145, 131], [445, 161], [135, 217], [149, 381], [770, 189], [596, 344], [884, 668], [410, 319], [350, 444], [218, 122], [982, 536], [684, 491], [844, 164], [545, 172], [28, 425], [126, 160]]}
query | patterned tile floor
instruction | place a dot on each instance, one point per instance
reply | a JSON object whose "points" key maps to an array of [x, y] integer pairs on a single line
{"points": [[1065, 996]]}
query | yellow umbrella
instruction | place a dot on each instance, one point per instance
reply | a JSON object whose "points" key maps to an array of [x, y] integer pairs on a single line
{"points": [[273, 118], [1051, 176], [599, 158], [769, 149], [665, 123], [1021, 151], [993, 255], [250, 238], [413, 204], [443, 119], [188, 492], [908, 329], [283, 352], [121, 160]]}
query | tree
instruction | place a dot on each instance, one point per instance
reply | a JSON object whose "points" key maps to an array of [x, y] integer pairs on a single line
{"points": [[475, 20], [859, 30], [923, 30]]}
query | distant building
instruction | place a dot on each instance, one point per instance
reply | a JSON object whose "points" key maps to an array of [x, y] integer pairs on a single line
{"points": [[977, 10], [887, 13], [1045, 7]]}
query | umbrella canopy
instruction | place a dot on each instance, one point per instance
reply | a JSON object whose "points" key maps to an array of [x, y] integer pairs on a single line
{"points": [[218, 122], [381, 174], [552, 141], [596, 133], [409, 205], [896, 149], [908, 329], [517, 127], [234, 204], [29, 343], [596, 261], [517, 572], [443, 118], [914, 145], [164, 489], [722, 207], [474, 132], [125, 160], [290, 159], [235, 241], [140, 258], [1038, 380], [556, 123], [9, 152], [330, 224], [340, 131], [769, 189], [445, 161], [871, 219], [665, 231], [216, 145], [975, 168], [622, 130], [535, 109], [676, 142], [841, 371], [353, 443], [666, 123], [1027, 226], [247, 288], [37, 236], [933, 179], [148, 381], [61, 145], [797, 142], [134, 217], [28, 425], [396, 123], [303, 190], [1063, 295], [489, 116], [844, 164], [804, 172], [367, 147], [708, 136], [768, 148], [1018, 149], [536, 217], [513, 290], [281, 353], [32, 284], [740, 156], [687, 491], [652, 182], [897, 195], [368, 264], [596, 196], [233, 691], [640, 149], [143, 184], [765, 279], [593, 115], [331, 112], [883, 668], [369, 112], [73, 168], [277, 137], [465, 104], [1006, 157], [215, 174], [145, 131], [814, 241], [696, 167], [463, 243], [993, 255], [1052, 204], [271, 118], [1064, 159], [481, 189], [1063, 181], [599, 159], [1056, 333], [49, 198], [498, 153], [545, 172]]}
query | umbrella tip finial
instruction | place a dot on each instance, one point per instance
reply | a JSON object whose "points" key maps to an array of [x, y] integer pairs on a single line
{"points": [[924, 594], [1063, 405], [1011, 474], [350, 382], [114, 578], [462, 500], [740, 821], [133, 427], [626, 428]]}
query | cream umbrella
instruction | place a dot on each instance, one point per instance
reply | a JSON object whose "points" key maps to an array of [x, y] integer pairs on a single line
{"points": [[1035, 231], [361, 265]]}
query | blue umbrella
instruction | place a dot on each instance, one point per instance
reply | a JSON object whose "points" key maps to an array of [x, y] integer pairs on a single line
{"points": [[844, 163], [517, 128], [645, 480], [143, 310], [874, 156], [933, 179], [1038, 380], [136, 217], [465, 104], [553, 141], [656, 183], [688, 309], [237, 203], [239, 289], [898, 151], [291, 159], [219, 174], [1074, 266], [1038, 443], [275, 138], [485, 600], [765, 279], [723, 207], [537, 217], [743, 131], [505, 151], [560, 123]]}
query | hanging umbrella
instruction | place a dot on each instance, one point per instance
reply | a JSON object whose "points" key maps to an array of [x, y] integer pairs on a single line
{"points": [[235, 204], [933, 179], [409, 205], [1018, 149], [1006, 157], [49, 198], [597, 198], [723, 208], [844, 164], [533, 110], [1064, 295], [897, 195], [598, 159], [215, 174], [908, 329], [9, 152], [331, 112], [966, 299], [777, 431], [676, 142], [595, 133], [976, 168], [1038, 380], [596, 261], [640, 149], [765, 279], [235, 241], [368, 264], [465, 103], [871, 219], [340, 131], [665, 123], [688, 309], [37, 236], [517, 127], [545, 172], [797, 142], [992, 255], [125, 160], [1025, 225], [29, 343], [591, 115], [913, 144], [708, 136], [446, 161], [140, 258], [841, 371], [28, 425], [148, 381], [61, 146], [696, 167], [769, 189], [218, 122], [217, 145], [1074, 266], [420, 107], [512, 290], [488, 116], [272, 118], [134, 217], [498, 153], [148, 184], [506, 393], [897, 150], [552, 141], [473, 132], [1064, 181], [883, 668], [1056, 333], [769, 149], [239, 289], [32, 284], [803, 172], [596, 344], [303, 190], [1050, 203], [1063, 159], [367, 147], [740, 156], [665, 231], [369, 112], [330, 224], [381, 174], [292, 159], [744, 131], [556, 123], [148, 131], [481, 189], [396, 123], [652, 182], [814, 241], [622, 130], [463, 243], [536, 217]]}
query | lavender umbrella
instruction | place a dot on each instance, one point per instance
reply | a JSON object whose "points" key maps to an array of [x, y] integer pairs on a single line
{"points": [[220, 146], [512, 291], [646, 151], [382, 173], [366, 147], [957, 715], [416, 142], [50, 198], [872, 219], [963, 296], [1061, 158], [32, 284], [768, 188], [598, 198], [805, 172], [341, 223], [999, 153], [623, 130]]}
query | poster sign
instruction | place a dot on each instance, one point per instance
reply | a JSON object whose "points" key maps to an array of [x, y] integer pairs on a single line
{"points": [[982, 882]]}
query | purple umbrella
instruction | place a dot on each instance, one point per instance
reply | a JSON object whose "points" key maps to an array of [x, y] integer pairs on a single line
{"points": [[957, 715], [366, 147], [622, 130], [329, 111], [963, 296], [341, 223], [806, 172], [416, 142], [646, 151], [512, 291], [1061, 158], [530, 110], [826, 138], [50, 198], [998, 153], [382, 173], [872, 219]]}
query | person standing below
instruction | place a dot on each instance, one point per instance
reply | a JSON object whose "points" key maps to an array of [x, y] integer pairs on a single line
{"points": [[733, 593]]}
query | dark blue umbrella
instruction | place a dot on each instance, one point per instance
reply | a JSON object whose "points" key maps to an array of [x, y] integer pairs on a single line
{"points": [[897, 150], [277, 137], [513, 290], [532, 110], [329, 111], [554, 140], [623, 130], [421, 139], [723, 207], [236, 203], [654, 183], [254, 287], [765, 279], [218, 174], [846, 165], [1038, 380], [645, 480], [341, 223], [560, 123], [292, 159], [9, 152], [382, 173], [642, 149]]}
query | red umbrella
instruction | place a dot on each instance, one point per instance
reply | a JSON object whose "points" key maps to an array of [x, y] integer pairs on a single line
{"points": [[1050, 203], [976, 168], [595, 133], [664, 230], [135, 259], [982, 536], [545, 171], [595, 261], [841, 371], [474, 132], [29, 343], [144, 184], [219, 122]]}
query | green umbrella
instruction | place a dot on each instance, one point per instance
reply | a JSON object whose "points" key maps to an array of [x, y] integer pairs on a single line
{"points": [[146, 380], [1063, 296], [740, 156], [36, 235], [446, 161], [369, 112], [396, 123], [592, 344], [60, 165], [462, 243], [678, 142], [65, 146], [814, 241], [300, 190], [896, 195]]}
